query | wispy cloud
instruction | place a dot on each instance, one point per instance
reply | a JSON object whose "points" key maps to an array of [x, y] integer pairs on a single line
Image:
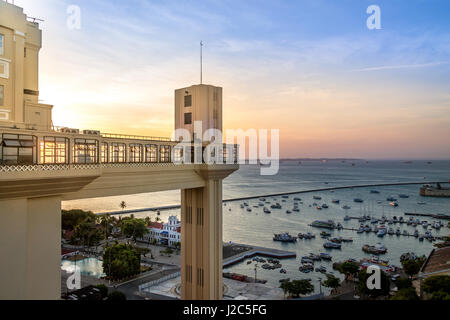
{"points": [[402, 66]]}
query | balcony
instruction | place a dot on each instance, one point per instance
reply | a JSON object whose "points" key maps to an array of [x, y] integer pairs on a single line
{"points": [[65, 149]]}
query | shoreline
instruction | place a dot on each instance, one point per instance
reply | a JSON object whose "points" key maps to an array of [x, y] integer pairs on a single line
{"points": [[171, 207]]}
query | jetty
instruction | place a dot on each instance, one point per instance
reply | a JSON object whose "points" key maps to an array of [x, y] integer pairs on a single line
{"points": [[172, 207], [431, 215], [248, 251]]}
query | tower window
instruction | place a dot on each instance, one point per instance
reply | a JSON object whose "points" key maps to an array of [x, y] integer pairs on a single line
{"points": [[2, 45], [2, 89], [188, 118], [188, 101]]}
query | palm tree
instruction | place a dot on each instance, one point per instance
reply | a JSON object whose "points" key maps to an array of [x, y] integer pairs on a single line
{"points": [[123, 205]]}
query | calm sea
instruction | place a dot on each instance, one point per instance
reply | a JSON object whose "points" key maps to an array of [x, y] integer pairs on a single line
{"points": [[258, 228]]}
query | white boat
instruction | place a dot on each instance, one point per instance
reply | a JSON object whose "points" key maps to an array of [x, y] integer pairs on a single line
{"points": [[405, 233], [381, 232], [391, 231], [266, 210], [347, 218]]}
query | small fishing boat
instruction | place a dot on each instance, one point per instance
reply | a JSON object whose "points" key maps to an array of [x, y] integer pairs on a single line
{"points": [[317, 198], [391, 231], [416, 233], [325, 256], [284, 237], [325, 206], [358, 200], [296, 209], [393, 204], [288, 212], [346, 207], [403, 196], [339, 226], [405, 233], [347, 218], [377, 249], [249, 209], [374, 191], [297, 199], [331, 245], [381, 232], [266, 210], [336, 201], [276, 206], [391, 199], [398, 232]]}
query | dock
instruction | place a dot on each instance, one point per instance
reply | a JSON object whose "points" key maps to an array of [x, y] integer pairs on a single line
{"points": [[430, 215], [252, 251]]}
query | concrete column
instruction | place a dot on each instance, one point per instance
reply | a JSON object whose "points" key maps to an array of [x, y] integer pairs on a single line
{"points": [[201, 242], [30, 247]]}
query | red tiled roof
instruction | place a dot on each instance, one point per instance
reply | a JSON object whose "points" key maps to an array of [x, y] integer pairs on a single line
{"points": [[157, 225]]}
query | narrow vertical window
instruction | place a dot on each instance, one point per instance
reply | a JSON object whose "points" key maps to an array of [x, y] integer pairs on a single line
{"points": [[2, 89], [188, 118], [2, 44], [188, 101]]}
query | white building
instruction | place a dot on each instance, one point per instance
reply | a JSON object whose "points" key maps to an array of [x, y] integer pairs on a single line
{"points": [[165, 233]]}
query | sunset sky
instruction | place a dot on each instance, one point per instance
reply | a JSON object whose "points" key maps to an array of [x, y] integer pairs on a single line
{"points": [[310, 68]]}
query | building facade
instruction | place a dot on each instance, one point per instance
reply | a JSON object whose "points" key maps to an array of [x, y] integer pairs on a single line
{"points": [[168, 234]]}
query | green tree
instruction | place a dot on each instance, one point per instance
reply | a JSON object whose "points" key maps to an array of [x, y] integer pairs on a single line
{"points": [[123, 205], [121, 261], [117, 296], [412, 267], [435, 284], [133, 228], [406, 294], [285, 286], [332, 282], [373, 293], [403, 283], [103, 290], [300, 287], [71, 218], [348, 268], [87, 233], [440, 295]]}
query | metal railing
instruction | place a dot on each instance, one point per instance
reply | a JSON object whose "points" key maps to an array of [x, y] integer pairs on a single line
{"points": [[67, 130], [153, 283]]}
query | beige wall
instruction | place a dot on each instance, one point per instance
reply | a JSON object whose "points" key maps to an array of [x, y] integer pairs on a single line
{"points": [[23, 69], [206, 107], [30, 246]]}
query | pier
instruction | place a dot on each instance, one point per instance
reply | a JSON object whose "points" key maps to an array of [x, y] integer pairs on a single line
{"points": [[430, 215], [252, 251], [172, 207]]}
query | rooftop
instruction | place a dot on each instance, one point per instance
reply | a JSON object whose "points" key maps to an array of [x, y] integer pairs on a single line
{"points": [[438, 261]]}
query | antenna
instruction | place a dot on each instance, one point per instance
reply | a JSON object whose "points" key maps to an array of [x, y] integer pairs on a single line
{"points": [[201, 62]]}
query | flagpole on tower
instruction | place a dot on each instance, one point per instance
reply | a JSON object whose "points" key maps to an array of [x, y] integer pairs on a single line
{"points": [[201, 62]]}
